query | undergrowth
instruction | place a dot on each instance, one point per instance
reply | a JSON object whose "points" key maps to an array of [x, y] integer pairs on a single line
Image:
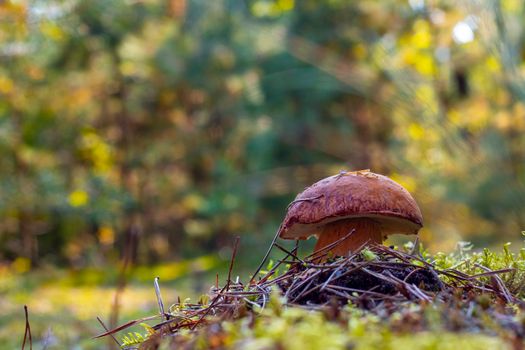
{"points": [[465, 300]]}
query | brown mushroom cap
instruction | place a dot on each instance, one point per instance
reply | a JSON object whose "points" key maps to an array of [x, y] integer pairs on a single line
{"points": [[360, 194]]}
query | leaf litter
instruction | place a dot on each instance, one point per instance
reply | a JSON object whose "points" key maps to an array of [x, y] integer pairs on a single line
{"points": [[407, 290]]}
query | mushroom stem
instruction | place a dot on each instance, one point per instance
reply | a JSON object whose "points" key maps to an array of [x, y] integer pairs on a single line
{"points": [[366, 230]]}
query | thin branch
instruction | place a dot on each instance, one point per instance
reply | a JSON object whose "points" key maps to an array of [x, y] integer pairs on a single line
{"points": [[265, 257], [27, 331], [107, 330], [288, 252]]}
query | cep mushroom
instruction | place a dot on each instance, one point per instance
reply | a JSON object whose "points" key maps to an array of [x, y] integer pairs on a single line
{"points": [[371, 205]]}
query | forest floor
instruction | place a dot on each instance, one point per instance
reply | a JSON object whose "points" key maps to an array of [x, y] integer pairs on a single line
{"points": [[63, 305], [381, 298]]}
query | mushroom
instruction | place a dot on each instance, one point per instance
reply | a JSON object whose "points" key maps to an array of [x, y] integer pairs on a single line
{"points": [[371, 205]]}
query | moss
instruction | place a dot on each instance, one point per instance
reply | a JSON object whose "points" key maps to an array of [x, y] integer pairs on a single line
{"points": [[468, 317]]}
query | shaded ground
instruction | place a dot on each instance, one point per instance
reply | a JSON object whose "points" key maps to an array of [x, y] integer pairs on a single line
{"points": [[379, 299], [63, 305], [381, 291]]}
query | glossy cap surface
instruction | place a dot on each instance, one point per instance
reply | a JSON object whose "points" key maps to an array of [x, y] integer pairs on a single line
{"points": [[352, 195]]}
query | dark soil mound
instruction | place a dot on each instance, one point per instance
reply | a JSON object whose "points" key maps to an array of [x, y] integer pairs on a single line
{"points": [[373, 279]]}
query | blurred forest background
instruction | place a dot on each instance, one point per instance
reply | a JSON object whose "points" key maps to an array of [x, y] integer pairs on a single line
{"points": [[162, 129], [158, 130]]}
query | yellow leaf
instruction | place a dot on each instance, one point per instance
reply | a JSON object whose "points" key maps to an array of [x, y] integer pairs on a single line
{"points": [[21, 265], [285, 5], [493, 64], [416, 131], [78, 198], [52, 31], [6, 85], [422, 38], [106, 235], [424, 64]]}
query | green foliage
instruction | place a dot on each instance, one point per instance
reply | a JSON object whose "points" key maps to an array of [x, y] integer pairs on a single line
{"points": [[297, 328], [187, 123], [478, 262], [132, 339], [368, 255]]}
